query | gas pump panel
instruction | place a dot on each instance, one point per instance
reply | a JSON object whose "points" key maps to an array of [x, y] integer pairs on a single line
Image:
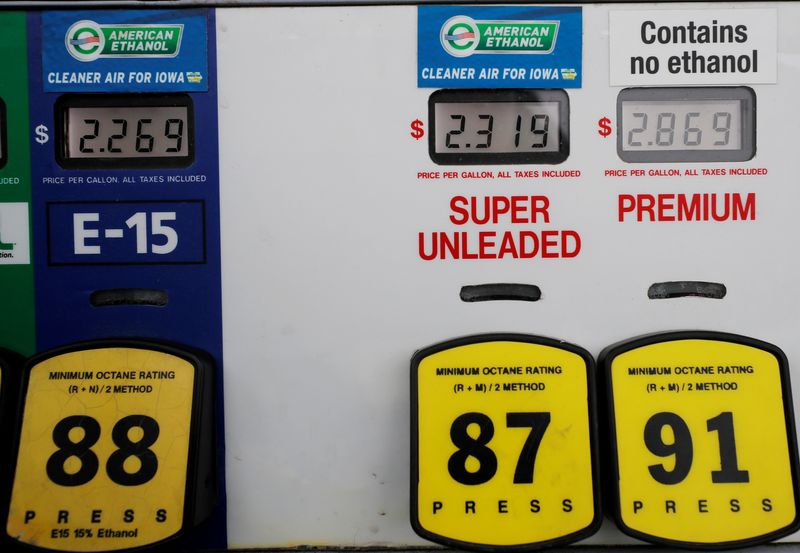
{"points": [[119, 441]]}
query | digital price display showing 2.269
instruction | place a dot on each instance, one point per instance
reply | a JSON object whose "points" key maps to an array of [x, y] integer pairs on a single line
{"points": [[124, 130]]}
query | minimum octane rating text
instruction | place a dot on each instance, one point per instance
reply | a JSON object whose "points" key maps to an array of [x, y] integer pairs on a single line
{"points": [[498, 370], [111, 375], [691, 370]]}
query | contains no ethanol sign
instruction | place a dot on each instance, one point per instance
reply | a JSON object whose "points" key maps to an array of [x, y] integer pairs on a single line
{"points": [[503, 450], [703, 439]]}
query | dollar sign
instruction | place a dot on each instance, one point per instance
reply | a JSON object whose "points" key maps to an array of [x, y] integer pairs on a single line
{"points": [[41, 134], [605, 127], [417, 131]]}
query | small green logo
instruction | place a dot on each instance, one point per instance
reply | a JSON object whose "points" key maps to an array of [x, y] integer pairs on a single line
{"points": [[569, 74], [5, 246], [14, 234], [462, 36], [87, 40]]}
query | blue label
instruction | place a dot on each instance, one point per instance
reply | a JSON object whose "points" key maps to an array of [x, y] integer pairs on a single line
{"points": [[105, 233], [124, 51], [110, 224], [499, 47]]}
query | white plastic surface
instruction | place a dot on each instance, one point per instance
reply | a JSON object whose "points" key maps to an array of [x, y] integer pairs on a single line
{"points": [[325, 296]]}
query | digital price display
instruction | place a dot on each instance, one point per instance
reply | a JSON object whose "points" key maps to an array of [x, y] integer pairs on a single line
{"points": [[470, 127], [503, 443], [702, 439], [124, 130], [3, 135], [686, 124], [115, 447]]}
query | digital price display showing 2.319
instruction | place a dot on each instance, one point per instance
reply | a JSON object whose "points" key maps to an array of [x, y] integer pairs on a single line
{"points": [[124, 130], [498, 126]]}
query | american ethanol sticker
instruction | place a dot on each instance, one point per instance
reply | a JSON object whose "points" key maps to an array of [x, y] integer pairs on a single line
{"points": [[87, 41], [499, 46], [463, 36], [124, 51]]}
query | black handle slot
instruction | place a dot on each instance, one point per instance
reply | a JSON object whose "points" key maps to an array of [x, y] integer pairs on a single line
{"points": [[500, 291], [684, 288], [129, 296]]}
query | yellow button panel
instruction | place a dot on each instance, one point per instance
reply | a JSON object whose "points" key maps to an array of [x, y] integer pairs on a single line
{"points": [[702, 439], [109, 447], [503, 443]]}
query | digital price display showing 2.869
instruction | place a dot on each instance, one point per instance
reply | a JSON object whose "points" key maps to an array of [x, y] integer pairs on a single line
{"points": [[680, 124]]}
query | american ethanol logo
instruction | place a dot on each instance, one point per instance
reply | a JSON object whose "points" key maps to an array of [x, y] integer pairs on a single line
{"points": [[87, 40], [462, 36]]}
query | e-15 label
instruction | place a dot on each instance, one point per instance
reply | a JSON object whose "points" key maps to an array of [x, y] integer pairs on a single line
{"points": [[126, 232]]}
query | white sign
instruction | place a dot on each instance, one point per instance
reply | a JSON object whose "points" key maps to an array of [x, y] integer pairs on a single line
{"points": [[675, 47], [14, 234]]}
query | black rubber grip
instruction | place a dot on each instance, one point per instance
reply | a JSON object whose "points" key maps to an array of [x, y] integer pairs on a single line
{"points": [[683, 288], [129, 296], [494, 292]]}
